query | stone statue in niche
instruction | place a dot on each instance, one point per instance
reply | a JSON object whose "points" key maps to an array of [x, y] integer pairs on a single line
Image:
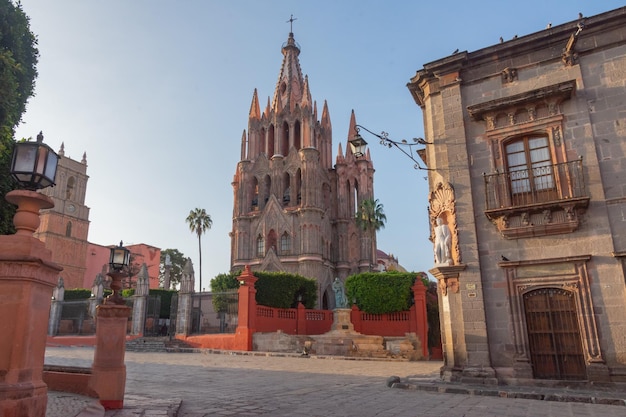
{"points": [[443, 240]]}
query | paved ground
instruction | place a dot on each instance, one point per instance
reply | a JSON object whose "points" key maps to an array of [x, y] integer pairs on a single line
{"points": [[205, 384]]}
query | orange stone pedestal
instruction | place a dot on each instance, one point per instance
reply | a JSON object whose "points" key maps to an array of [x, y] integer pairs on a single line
{"points": [[108, 373], [27, 277]]}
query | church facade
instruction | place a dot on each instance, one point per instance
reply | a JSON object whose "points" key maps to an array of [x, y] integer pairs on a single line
{"points": [[527, 149], [293, 210]]}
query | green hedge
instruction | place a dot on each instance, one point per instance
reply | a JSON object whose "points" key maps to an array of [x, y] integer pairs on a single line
{"points": [[382, 292], [77, 294], [282, 290], [273, 289]]}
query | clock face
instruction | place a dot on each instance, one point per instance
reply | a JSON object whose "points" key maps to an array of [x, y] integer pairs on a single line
{"points": [[71, 208]]}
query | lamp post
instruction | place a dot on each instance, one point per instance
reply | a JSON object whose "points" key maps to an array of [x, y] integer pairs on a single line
{"points": [[403, 145], [118, 261], [108, 378], [27, 277]]}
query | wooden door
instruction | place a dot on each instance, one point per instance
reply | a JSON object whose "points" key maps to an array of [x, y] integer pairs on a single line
{"points": [[554, 335]]}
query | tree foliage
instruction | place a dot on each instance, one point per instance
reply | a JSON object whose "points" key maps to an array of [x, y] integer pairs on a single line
{"points": [[178, 261], [370, 216], [199, 222], [18, 70]]}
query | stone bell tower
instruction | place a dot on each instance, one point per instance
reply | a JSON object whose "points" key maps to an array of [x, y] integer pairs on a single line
{"points": [[64, 228], [293, 211]]}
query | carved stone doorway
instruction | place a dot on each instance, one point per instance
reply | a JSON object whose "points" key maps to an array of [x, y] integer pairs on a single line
{"points": [[554, 340]]}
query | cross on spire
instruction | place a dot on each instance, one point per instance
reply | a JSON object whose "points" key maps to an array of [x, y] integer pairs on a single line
{"points": [[290, 21]]}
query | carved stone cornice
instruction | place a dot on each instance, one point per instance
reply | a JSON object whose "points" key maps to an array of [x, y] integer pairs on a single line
{"points": [[555, 93], [448, 277]]}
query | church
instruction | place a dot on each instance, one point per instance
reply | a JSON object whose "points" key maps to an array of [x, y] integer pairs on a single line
{"points": [[293, 210]]}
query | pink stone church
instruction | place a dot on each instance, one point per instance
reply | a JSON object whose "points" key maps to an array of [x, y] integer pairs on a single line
{"points": [[293, 210]]}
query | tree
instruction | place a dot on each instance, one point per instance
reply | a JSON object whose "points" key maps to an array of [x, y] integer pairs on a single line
{"points": [[18, 70], [176, 270], [199, 222], [370, 218]]}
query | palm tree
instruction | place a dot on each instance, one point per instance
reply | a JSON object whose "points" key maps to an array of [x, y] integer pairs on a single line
{"points": [[199, 222], [370, 218]]}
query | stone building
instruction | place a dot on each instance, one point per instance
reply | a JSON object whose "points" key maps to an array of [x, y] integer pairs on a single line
{"points": [[293, 211], [64, 228], [528, 157]]}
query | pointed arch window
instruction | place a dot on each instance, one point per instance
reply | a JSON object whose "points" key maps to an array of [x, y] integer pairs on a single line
{"points": [[284, 139], [69, 188], [272, 240], [286, 189], [297, 141], [260, 246], [299, 187], [270, 142], [254, 204], [267, 189], [285, 244]]}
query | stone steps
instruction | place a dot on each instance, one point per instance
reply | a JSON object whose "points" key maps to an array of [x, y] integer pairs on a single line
{"points": [[157, 344]]}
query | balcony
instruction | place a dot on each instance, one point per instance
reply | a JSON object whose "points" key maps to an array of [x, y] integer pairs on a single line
{"points": [[544, 200]]}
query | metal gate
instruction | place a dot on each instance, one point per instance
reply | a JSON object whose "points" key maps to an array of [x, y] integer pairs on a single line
{"points": [[153, 312], [554, 335]]}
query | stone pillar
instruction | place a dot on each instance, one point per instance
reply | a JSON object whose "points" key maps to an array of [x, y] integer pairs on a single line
{"points": [[247, 310], [168, 268], [463, 336], [27, 277], [140, 301], [58, 294], [185, 303], [108, 373]]}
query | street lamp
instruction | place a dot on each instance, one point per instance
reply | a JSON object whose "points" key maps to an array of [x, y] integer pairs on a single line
{"points": [[34, 164], [118, 261], [402, 145], [34, 167], [358, 144]]}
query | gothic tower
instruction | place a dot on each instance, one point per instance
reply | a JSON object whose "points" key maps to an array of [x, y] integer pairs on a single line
{"points": [[293, 211], [64, 228]]}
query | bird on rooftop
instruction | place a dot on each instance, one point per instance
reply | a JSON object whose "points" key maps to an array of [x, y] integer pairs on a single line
{"points": [[455, 51], [549, 26], [504, 258], [501, 39], [580, 15]]}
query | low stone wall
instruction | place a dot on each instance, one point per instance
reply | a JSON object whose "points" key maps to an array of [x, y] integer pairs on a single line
{"points": [[68, 379]]}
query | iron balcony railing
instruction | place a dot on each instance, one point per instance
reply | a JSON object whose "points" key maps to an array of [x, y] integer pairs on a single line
{"points": [[536, 186]]}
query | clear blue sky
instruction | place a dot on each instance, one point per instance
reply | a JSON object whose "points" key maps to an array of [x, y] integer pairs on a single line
{"points": [[158, 93]]}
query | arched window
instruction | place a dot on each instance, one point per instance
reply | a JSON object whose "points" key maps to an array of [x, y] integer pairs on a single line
{"points": [[272, 240], [297, 136], [267, 189], [270, 142], [69, 189], [530, 169], [299, 186], [260, 246], [284, 139], [286, 189], [254, 205], [285, 244], [68, 229]]}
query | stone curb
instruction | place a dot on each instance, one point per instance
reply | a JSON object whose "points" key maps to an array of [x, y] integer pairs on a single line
{"points": [[512, 392]]}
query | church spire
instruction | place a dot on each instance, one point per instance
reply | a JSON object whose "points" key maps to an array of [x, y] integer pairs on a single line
{"points": [[290, 86], [255, 109]]}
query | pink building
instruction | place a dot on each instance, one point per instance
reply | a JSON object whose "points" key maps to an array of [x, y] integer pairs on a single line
{"points": [[98, 261]]}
